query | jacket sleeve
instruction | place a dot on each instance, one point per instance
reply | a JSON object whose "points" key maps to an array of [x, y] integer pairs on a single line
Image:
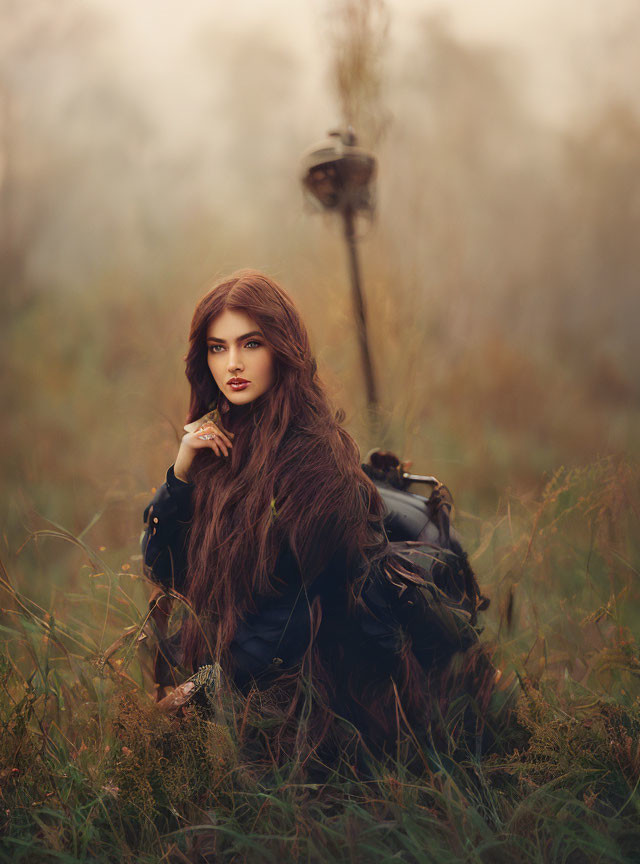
{"points": [[167, 524]]}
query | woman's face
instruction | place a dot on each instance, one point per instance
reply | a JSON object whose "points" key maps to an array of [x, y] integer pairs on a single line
{"points": [[240, 361]]}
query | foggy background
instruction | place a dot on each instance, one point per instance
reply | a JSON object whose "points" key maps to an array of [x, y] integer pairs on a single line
{"points": [[148, 149]]}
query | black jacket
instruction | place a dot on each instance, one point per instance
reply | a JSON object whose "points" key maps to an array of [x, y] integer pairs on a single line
{"points": [[276, 635]]}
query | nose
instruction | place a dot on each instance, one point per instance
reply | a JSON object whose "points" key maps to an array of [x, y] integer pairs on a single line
{"points": [[235, 363]]}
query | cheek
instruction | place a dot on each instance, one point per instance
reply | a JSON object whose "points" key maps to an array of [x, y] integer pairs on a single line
{"points": [[215, 368], [268, 369]]}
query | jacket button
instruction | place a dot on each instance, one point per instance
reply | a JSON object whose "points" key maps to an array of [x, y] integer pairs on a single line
{"points": [[277, 661], [155, 519]]}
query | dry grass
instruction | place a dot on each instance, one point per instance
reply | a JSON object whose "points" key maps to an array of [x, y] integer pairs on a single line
{"points": [[90, 770]]}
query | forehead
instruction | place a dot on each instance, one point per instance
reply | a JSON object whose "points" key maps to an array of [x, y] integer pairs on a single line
{"points": [[230, 324]]}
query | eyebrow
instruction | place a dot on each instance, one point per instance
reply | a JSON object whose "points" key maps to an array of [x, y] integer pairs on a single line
{"points": [[239, 339]]}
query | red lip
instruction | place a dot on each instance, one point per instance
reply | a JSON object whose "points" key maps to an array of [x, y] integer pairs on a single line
{"points": [[237, 381]]}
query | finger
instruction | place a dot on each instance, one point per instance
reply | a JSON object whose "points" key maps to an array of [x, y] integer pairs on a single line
{"points": [[210, 428], [222, 436], [177, 699], [216, 444], [222, 446], [204, 436], [214, 441], [182, 694], [207, 441], [186, 689]]}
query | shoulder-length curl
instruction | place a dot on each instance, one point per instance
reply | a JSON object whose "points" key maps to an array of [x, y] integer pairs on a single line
{"points": [[293, 474]]}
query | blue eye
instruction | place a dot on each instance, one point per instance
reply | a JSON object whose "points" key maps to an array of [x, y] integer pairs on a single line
{"points": [[252, 344]]}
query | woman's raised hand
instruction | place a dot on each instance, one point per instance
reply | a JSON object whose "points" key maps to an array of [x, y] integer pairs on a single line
{"points": [[207, 435], [210, 435]]}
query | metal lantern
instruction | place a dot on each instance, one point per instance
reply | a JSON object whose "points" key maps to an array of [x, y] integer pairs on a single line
{"points": [[338, 175]]}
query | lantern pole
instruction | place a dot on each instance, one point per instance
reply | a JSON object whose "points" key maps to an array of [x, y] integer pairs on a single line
{"points": [[339, 176], [359, 307]]}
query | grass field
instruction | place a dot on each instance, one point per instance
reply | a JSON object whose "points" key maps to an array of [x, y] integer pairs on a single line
{"points": [[89, 771]]}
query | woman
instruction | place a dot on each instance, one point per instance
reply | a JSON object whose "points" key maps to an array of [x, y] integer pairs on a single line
{"points": [[274, 535]]}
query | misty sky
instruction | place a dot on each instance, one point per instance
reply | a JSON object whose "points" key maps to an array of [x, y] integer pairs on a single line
{"points": [[127, 123], [568, 52]]}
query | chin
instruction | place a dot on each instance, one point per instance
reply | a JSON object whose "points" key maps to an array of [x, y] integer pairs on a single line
{"points": [[241, 398]]}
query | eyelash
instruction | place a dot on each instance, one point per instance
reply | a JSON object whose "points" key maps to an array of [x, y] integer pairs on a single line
{"points": [[250, 342]]}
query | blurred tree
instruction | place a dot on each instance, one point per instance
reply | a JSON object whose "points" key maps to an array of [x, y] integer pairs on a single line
{"points": [[602, 229], [70, 158], [359, 38], [463, 186]]}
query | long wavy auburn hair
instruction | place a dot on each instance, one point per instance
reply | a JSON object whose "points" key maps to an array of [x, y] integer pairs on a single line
{"points": [[293, 474]]}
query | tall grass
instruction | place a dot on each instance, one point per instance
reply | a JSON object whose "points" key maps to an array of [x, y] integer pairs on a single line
{"points": [[91, 770]]}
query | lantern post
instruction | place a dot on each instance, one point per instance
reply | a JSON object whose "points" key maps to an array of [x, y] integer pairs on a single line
{"points": [[338, 176]]}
